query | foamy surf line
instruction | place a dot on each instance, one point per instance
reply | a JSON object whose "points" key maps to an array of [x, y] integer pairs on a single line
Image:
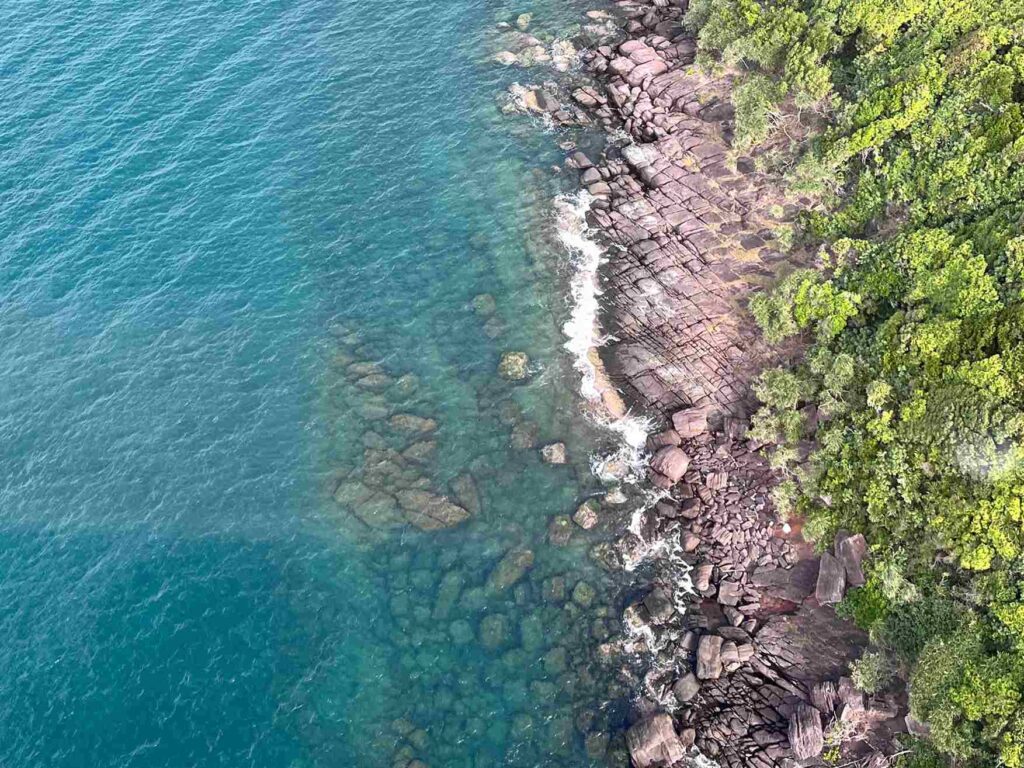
{"points": [[584, 334]]}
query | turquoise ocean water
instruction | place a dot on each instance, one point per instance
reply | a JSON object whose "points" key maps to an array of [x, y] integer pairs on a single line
{"points": [[236, 239]]}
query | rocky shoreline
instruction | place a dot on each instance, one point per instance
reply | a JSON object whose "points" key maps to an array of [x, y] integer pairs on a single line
{"points": [[748, 659]]}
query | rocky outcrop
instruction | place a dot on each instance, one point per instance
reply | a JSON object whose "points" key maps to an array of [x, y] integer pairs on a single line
{"points": [[695, 227], [806, 737], [751, 667], [653, 743]]}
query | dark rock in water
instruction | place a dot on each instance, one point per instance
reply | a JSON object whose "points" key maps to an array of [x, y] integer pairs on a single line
{"points": [[420, 452], [494, 630], [806, 736], [686, 688], [524, 435], [850, 550], [560, 530], [484, 304], [411, 424], [430, 512], [545, 101], [596, 745], [510, 569], [671, 462], [583, 594], [606, 556], [448, 594], [467, 494], [461, 632], [659, 605], [831, 581], [709, 657], [653, 742], [554, 589]]}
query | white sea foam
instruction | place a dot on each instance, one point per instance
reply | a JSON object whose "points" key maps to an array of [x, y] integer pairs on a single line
{"points": [[584, 338]]}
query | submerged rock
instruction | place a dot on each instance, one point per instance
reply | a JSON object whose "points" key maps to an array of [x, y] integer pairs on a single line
{"points": [[467, 494], [514, 366], [494, 631], [583, 594], [553, 453], [430, 512], [461, 632], [484, 303], [448, 594], [411, 424], [560, 530], [524, 435], [510, 569]]}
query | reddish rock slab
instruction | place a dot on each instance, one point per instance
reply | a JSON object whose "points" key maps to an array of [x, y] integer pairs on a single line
{"points": [[671, 462], [653, 742]]}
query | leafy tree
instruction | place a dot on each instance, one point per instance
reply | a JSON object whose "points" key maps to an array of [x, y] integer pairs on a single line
{"points": [[913, 325]]}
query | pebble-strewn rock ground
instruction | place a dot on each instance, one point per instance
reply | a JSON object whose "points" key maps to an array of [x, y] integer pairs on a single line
{"points": [[751, 665]]}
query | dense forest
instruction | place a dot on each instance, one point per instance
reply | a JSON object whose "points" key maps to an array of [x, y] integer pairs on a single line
{"points": [[899, 124]]}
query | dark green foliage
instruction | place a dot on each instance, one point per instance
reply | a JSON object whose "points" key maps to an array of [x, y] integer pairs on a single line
{"points": [[915, 327]]}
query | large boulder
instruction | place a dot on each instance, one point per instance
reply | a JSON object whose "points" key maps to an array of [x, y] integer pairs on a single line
{"points": [[653, 742], [850, 550], [691, 422], [806, 736], [709, 657], [671, 462], [686, 688], [831, 581]]}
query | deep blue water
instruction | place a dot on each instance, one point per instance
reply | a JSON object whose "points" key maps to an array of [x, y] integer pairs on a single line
{"points": [[216, 220]]}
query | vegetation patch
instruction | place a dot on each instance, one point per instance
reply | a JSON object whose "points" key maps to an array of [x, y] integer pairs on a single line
{"points": [[904, 419]]}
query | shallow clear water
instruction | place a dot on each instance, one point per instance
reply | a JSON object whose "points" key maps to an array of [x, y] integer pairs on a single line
{"points": [[235, 240]]}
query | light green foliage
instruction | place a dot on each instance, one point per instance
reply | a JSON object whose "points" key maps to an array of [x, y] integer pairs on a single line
{"points": [[915, 329], [873, 672], [756, 101]]}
